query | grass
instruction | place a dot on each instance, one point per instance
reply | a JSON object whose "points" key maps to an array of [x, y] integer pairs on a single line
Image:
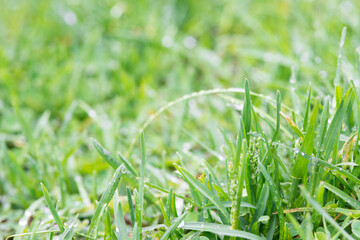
{"points": [[251, 112]]}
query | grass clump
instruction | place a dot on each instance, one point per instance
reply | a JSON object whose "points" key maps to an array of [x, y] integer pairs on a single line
{"points": [[276, 159]]}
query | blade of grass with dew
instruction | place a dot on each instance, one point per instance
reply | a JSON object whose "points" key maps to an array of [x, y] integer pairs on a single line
{"points": [[203, 190], [345, 197], [69, 231], [307, 110], [105, 154], [247, 110], [128, 165], [106, 198], [323, 213], [339, 59], [173, 227], [315, 175], [335, 125], [325, 164], [120, 226], [219, 229], [139, 201], [278, 110], [296, 225], [301, 164], [235, 208], [52, 208]]}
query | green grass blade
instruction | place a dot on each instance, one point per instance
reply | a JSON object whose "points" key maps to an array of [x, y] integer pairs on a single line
{"points": [[247, 109], [339, 59], [128, 165], [139, 201], [105, 154], [235, 209], [131, 206], [205, 191], [120, 226], [301, 164], [323, 213], [165, 215], [219, 229], [335, 126], [52, 208], [323, 122], [345, 197], [307, 111], [173, 227], [278, 118], [106, 198]]}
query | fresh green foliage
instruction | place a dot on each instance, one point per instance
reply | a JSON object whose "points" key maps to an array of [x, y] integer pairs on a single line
{"points": [[251, 111]]}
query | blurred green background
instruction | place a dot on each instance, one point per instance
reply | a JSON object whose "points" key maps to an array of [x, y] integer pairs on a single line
{"points": [[75, 69]]}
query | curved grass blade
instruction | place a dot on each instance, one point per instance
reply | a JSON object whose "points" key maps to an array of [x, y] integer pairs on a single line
{"points": [[105, 154], [52, 208], [345, 197], [324, 164], [219, 229], [106, 198], [173, 227], [323, 213], [190, 96]]}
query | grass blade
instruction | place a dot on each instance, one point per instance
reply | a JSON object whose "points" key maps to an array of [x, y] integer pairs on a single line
{"points": [[120, 226], [173, 227], [139, 201], [219, 229], [52, 208], [247, 109], [105, 154], [106, 198], [300, 168], [278, 110], [335, 126], [345, 197]]}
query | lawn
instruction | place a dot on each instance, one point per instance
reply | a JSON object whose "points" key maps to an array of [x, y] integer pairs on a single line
{"points": [[203, 120]]}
